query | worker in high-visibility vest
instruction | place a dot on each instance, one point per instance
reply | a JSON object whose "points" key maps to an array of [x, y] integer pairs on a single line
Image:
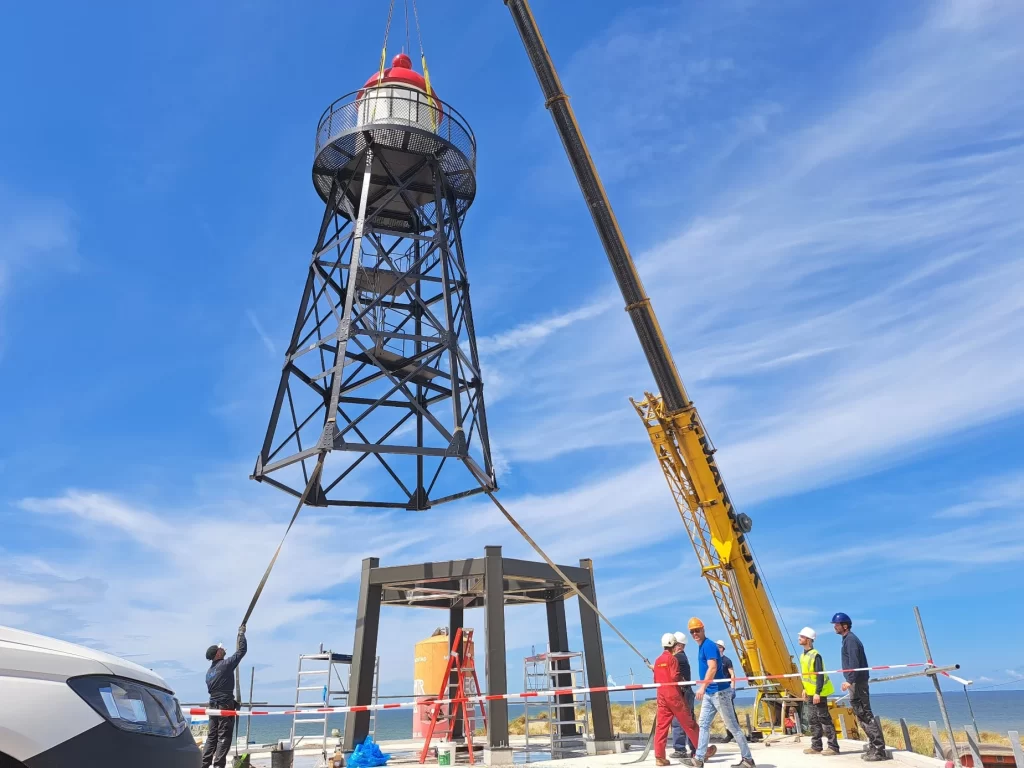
{"points": [[817, 688]]}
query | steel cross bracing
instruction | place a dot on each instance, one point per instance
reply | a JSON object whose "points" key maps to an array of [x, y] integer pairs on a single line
{"points": [[382, 360]]}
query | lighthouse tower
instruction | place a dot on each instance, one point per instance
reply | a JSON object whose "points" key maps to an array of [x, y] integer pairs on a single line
{"points": [[380, 402]]}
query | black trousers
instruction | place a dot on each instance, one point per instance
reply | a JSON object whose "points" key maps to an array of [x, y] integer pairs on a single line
{"points": [[860, 700], [218, 742], [821, 723]]}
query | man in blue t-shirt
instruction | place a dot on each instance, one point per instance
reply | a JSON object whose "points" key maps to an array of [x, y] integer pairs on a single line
{"points": [[715, 694]]}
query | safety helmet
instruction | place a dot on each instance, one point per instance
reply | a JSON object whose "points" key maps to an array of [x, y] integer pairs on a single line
{"points": [[668, 640], [720, 643], [842, 618], [680, 637], [809, 633], [695, 623]]}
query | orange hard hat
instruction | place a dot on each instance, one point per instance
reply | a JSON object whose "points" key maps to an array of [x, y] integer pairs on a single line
{"points": [[695, 623]]}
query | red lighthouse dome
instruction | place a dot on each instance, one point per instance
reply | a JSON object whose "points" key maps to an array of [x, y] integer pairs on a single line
{"points": [[400, 72]]}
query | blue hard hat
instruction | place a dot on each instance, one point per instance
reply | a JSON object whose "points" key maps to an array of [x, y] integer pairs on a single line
{"points": [[842, 618]]}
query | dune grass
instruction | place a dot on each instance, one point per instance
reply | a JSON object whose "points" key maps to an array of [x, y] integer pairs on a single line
{"points": [[624, 722]]}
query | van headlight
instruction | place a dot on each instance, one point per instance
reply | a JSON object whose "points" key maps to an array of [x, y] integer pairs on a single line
{"points": [[131, 706]]}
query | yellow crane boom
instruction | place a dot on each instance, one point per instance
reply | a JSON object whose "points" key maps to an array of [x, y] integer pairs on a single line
{"points": [[681, 444]]}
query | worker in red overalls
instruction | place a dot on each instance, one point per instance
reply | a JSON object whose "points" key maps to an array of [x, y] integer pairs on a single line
{"points": [[670, 701]]}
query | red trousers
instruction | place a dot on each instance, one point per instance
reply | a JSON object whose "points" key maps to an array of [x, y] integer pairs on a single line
{"points": [[669, 707]]}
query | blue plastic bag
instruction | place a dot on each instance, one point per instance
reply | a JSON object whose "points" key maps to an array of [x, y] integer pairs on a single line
{"points": [[368, 755]]}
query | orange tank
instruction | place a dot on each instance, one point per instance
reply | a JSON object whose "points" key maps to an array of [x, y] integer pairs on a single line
{"points": [[429, 662]]}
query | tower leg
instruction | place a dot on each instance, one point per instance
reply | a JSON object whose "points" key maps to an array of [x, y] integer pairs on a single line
{"points": [[364, 656], [593, 651], [498, 751]]}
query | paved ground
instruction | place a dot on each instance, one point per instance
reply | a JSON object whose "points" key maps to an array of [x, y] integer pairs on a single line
{"points": [[779, 755]]}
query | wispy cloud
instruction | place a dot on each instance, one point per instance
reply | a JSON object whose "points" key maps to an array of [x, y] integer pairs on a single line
{"points": [[264, 337], [862, 275], [35, 233]]}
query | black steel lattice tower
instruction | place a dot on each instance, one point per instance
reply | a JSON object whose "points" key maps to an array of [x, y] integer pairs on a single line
{"points": [[382, 363]]}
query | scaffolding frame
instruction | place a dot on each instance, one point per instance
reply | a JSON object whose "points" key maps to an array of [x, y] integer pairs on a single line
{"points": [[568, 730]]}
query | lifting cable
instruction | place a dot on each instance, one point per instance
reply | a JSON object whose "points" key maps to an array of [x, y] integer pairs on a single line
{"points": [[561, 574], [423, 61]]}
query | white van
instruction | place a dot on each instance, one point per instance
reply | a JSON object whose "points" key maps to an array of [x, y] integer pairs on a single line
{"points": [[65, 705]]}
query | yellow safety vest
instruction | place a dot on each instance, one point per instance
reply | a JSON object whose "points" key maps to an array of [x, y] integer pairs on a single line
{"points": [[810, 678]]}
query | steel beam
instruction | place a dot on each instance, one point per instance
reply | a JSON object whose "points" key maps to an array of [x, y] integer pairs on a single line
{"points": [[455, 623], [494, 627], [364, 656], [423, 573], [593, 651]]}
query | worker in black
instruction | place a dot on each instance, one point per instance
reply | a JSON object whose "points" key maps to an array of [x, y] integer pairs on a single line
{"points": [[220, 683], [857, 684], [679, 738]]}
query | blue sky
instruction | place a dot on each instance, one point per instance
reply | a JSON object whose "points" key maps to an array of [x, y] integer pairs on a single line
{"points": [[826, 208]]}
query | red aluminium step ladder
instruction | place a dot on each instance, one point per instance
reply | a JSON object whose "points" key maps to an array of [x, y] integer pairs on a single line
{"points": [[461, 661]]}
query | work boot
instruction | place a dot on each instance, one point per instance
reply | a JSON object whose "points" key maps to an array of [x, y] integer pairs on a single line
{"points": [[678, 754], [875, 757], [661, 761], [829, 752], [693, 762], [712, 751], [812, 751], [746, 762]]}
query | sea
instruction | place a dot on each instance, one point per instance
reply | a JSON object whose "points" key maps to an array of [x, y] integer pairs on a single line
{"points": [[999, 711]]}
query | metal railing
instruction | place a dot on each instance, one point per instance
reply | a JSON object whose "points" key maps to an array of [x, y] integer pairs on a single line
{"points": [[395, 106]]}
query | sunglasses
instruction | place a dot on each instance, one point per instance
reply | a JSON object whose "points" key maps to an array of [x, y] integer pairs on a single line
{"points": [[696, 631]]}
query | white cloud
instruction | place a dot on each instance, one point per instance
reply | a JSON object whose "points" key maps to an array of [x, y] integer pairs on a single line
{"points": [[268, 343]]}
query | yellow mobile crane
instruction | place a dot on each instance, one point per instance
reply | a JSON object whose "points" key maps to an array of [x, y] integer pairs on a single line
{"points": [[681, 444]]}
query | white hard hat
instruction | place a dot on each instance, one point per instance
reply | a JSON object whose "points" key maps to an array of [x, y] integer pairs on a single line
{"points": [[668, 640], [809, 633], [680, 638], [720, 643]]}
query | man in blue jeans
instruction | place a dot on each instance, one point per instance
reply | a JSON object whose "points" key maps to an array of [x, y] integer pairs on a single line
{"points": [[715, 695]]}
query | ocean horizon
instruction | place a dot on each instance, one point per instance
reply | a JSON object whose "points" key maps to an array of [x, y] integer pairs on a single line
{"points": [[999, 711]]}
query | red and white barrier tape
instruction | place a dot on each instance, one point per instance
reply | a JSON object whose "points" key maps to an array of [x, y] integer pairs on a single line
{"points": [[526, 694]]}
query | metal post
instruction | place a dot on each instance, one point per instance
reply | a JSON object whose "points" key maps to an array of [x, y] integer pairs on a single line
{"points": [[750, 727], [972, 745], [494, 625], [906, 735], [636, 717], [364, 656], [970, 708], [938, 688], [936, 741], [842, 727], [248, 720], [1018, 754], [593, 651], [455, 623], [798, 727]]}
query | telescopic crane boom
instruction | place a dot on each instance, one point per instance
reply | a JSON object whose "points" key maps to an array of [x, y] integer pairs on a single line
{"points": [[681, 444]]}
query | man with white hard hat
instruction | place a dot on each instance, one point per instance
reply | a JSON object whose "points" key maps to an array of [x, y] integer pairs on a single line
{"points": [[730, 672], [817, 688], [680, 741], [671, 703]]}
